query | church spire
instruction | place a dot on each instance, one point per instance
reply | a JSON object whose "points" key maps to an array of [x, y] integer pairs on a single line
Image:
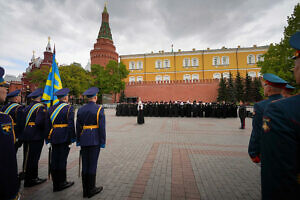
{"points": [[48, 47], [104, 31]]}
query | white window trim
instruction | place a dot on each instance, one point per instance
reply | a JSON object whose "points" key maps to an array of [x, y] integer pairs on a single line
{"points": [[218, 61], [183, 62], [130, 65], [195, 75], [197, 62], [227, 60], [253, 73], [226, 74], [250, 55], [164, 64], [219, 75], [166, 79], [137, 65], [158, 76], [156, 66], [186, 75], [261, 56], [131, 79]]}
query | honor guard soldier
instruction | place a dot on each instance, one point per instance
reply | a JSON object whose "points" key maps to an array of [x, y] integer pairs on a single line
{"points": [[9, 182], [33, 136], [91, 136], [273, 86], [15, 110], [61, 136], [280, 169]]}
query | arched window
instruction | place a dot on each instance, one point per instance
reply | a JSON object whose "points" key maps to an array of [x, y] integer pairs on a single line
{"points": [[250, 59], [166, 78], [166, 63], [216, 60], [195, 62], [131, 65], [139, 79], [158, 64], [226, 75], [131, 79], [252, 74], [158, 78], [195, 76], [260, 57], [186, 62], [139, 65], [187, 77], [217, 76], [225, 60]]}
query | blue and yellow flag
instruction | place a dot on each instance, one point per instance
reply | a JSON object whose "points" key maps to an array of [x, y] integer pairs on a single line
{"points": [[53, 84]]}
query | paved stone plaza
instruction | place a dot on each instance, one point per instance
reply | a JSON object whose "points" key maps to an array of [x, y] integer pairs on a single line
{"points": [[165, 158]]}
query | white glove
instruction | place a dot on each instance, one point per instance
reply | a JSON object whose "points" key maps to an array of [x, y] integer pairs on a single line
{"points": [[70, 145], [49, 145]]}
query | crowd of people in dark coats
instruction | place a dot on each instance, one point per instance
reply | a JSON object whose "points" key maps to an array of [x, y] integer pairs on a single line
{"points": [[178, 109]]}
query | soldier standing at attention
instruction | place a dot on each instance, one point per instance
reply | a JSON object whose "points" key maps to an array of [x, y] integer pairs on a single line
{"points": [[34, 133], [242, 114], [91, 136], [273, 86], [9, 182], [15, 110], [61, 136], [280, 169]]}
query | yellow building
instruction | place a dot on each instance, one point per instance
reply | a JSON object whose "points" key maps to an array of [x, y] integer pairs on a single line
{"points": [[194, 65]]}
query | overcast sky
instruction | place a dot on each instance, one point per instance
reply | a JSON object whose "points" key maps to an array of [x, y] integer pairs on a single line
{"points": [[138, 26]]}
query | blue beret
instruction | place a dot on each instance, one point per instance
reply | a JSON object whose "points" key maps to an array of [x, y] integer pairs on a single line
{"points": [[13, 94], [289, 87], [91, 92], [1, 75], [62, 92], [295, 43], [38, 92]]}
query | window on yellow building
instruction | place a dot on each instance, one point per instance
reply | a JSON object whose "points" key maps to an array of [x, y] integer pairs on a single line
{"points": [[166, 78], [166, 63], [225, 60], [195, 76], [226, 75], [186, 77], [250, 59], [158, 64], [131, 65], [158, 78], [131, 79], [139, 65], [139, 79], [216, 60], [252, 74], [216, 75], [260, 57], [195, 62], [186, 62]]}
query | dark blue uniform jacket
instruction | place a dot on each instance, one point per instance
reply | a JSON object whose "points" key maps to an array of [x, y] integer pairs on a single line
{"points": [[87, 116]]}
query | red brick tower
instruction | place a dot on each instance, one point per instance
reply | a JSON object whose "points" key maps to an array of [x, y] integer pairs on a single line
{"points": [[104, 49]]}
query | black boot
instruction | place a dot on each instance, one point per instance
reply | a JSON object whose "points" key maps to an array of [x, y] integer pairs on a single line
{"points": [[92, 189], [63, 180], [85, 184]]}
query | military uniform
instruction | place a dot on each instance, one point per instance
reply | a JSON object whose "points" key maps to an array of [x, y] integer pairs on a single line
{"points": [[280, 171], [15, 110], [61, 135], [242, 115], [9, 182], [255, 138], [91, 136], [34, 133]]}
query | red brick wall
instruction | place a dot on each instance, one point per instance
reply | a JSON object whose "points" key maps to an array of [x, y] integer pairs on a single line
{"points": [[203, 90]]}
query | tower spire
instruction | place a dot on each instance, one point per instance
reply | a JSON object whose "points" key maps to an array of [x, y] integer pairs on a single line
{"points": [[104, 31]]}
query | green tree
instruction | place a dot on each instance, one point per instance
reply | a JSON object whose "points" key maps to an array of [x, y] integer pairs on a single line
{"points": [[75, 78], [277, 59], [257, 96], [239, 87], [230, 94], [248, 89], [38, 76], [222, 90], [110, 80]]}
